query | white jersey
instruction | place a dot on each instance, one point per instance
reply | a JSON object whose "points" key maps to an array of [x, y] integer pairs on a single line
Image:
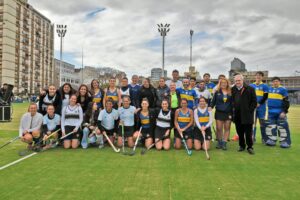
{"points": [[205, 93], [51, 122], [163, 121], [178, 83], [127, 115], [71, 116], [125, 93], [108, 119]]}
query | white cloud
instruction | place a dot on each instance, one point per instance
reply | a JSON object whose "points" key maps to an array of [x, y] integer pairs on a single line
{"points": [[125, 34]]}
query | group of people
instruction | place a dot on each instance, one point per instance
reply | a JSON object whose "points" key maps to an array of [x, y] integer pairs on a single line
{"points": [[133, 111]]}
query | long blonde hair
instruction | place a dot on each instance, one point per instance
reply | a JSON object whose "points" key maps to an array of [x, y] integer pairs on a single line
{"points": [[228, 88]]}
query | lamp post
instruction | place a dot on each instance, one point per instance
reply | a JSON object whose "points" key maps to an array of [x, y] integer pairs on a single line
{"points": [[191, 47], [61, 31], [163, 30]]}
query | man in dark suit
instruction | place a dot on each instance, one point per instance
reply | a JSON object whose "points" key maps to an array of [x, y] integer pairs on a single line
{"points": [[244, 104]]}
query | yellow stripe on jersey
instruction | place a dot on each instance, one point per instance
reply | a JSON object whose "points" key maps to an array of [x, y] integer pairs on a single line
{"points": [[210, 90], [145, 121], [187, 97], [96, 100], [275, 96], [114, 98], [203, 119], [259, 93], [184, 119]]}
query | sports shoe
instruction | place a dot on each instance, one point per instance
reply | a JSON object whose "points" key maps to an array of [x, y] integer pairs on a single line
{"points": [[219, 145], [250, 151], [270, 142], [224, 146], [241, 149], [284, 145]]}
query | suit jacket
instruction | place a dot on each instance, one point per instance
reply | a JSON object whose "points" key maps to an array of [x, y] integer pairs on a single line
{"points": [[247, 104]]}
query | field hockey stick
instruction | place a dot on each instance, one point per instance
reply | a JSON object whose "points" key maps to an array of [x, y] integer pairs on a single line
{"points": [[123, 140], [17, 161], [136, 142], [254, 124], [203, 135], [9, 142], [189, 152], [111, 144], [63, 137], [214, 129], [24, 152]]}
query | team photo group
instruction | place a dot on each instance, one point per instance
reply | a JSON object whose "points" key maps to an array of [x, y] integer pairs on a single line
{"points": [[177, 114]]}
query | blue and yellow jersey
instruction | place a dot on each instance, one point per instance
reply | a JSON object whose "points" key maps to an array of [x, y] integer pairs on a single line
{"points": [[203, 118], [97, 98], [113, 95], [210, 86], [189, 95], [145, 121], [275, 99], [184, 119], [260, 90]]}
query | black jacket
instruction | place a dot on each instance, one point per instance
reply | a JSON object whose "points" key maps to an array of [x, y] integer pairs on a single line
{"points": [[247, 104], [150, 94]]}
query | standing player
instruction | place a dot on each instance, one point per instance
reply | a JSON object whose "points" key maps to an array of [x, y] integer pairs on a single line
{"points": [[183, 121], [188, 94], [209, 85], [112, 92], [97, 94], [203, 120], [124, 89], [175, 75], [71, 119], [203, 92], [261, 90], [135, 91], [50, 97], [164, 125], [278, 105], [126, 116], [162, 92]]}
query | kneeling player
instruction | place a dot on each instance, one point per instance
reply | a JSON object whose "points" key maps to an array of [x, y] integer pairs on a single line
{"points": [[30, 126], [278, 105], [184, 119], [71, 119], [203, 120], [145, 118], [126, 116], [90, 130], [108, 120], [164, 124], [51, 123]]}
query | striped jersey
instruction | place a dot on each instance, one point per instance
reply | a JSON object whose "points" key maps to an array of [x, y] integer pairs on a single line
{"points": [[184, 119], [97, 98], [145, 121], [275, 99], [210, 86], [260, 90], [190, 95]]}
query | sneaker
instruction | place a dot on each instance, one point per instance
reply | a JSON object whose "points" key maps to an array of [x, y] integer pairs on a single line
{"points": [[224, 147], [219, 145], [284, 145], [250, 151], [270, 142], [241, 149]]}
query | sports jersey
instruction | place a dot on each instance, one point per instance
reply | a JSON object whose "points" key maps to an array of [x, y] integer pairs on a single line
{"points": [[145, 121], [210, 86], [189, 95], [51, 123], [125, 91], [127, 115], [113, 95], [260, 90], [164, 119], [275, 99], [97, 98], [71, 116], [184, 119], [108, 119]]}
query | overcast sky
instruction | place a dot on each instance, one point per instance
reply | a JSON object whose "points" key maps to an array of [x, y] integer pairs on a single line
{"points": [[123, 33]]}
